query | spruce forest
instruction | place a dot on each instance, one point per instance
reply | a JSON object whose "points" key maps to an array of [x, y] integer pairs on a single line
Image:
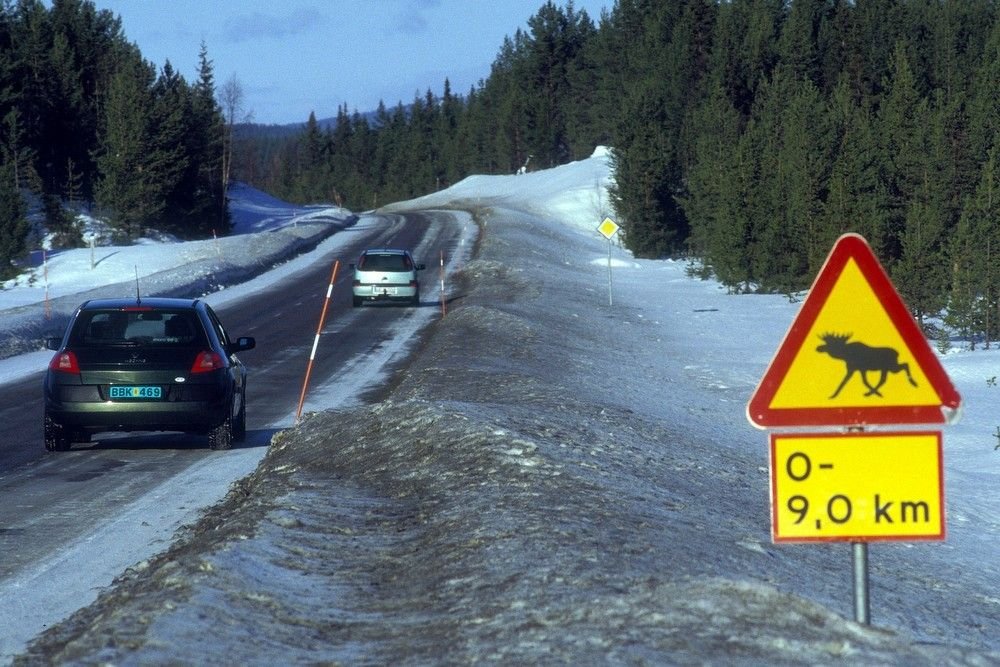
{"points": [[85, 121], [747, 135]]}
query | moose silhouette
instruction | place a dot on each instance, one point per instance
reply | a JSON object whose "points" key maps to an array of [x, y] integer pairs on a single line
{"points": [[863, 359]]}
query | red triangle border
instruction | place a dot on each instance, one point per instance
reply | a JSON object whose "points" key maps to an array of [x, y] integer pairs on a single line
{"points": [[851, 246]]}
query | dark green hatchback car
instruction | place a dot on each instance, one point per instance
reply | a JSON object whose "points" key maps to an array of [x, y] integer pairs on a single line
{"points": [[153, 364]]}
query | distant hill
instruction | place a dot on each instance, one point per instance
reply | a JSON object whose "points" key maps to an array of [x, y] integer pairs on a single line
{"points": [[260, 131]]}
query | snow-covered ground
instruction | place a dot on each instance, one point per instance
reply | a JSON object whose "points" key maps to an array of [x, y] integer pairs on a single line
{"points": [[554, 479]]}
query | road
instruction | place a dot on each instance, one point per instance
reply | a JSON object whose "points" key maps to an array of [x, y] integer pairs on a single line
{"points": [[50, 500]]}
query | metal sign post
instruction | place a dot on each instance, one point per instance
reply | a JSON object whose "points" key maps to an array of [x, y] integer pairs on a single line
{"points": [[608, 228], [862, 601]]}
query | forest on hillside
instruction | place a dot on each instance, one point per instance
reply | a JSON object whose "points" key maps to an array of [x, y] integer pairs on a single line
{"points": [[86, 121], [746, 135]]}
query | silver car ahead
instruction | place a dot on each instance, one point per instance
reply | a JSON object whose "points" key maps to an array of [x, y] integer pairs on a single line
{"points": [[386, 274]]}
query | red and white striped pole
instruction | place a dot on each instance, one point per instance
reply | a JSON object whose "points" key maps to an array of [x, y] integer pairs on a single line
{"points": [[444, 308], [312, 355]]}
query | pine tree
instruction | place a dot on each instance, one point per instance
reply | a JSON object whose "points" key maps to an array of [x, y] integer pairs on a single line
{"points": [[984, 112], [585, 127], [73, 184], [856, 199], [713, 202], [205, 150], [13, 223], [82, 73], [799, 186], [31, 42], [127, 190], [453, 152], [745, 43], [169, 119], [16, 151], [880, 29], [902, 125], [974, 303], [649, 138], [798, 46], [642, 194]]}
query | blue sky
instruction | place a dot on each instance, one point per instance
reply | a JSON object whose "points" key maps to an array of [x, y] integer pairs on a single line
{"points": [[294, 57]]}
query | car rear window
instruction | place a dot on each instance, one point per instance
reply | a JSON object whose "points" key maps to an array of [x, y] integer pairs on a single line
{"points": [[392, 262], [142, 327]]}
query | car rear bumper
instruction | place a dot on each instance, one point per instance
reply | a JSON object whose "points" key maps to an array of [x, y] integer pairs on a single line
{"points": [[385, 292], [191, 416]]}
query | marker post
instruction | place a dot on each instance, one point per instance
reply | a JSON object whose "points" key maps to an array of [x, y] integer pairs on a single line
{"points": [[444, 306], [312, 355], [608, 228]]}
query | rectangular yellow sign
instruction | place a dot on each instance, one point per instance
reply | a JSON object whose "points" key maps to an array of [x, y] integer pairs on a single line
{"points": [[857, 487]]}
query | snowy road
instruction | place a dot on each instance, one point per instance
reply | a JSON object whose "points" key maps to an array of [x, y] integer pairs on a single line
{"points": [[70, 523]]}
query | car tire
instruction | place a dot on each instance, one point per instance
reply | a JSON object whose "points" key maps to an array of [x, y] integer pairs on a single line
{"points": [[56, 437], [416, 299], [240, 423], [357, 302], [221, 437]]}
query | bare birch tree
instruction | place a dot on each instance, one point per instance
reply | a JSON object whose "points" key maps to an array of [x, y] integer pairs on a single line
{"points": [[232, 101]]}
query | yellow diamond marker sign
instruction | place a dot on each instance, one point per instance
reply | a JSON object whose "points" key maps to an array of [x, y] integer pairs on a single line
{"points": [[857, 487], [608, 228], [854, 355]]}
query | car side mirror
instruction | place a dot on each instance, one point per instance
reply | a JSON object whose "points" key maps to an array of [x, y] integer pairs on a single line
{"points": [[243, 343], [351, 266], [53, 343], [421, 267]]}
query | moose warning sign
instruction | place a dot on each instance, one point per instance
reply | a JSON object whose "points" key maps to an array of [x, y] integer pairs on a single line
{"points": [[854, 355]]}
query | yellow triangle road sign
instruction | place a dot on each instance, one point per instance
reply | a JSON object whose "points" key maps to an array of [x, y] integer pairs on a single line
{"points": [[854, 355]]}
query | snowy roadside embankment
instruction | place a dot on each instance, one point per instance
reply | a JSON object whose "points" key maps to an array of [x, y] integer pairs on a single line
{"points": [[515, 498]]}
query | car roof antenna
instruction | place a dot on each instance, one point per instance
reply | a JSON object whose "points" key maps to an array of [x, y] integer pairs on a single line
{"points": [[138, 299]]}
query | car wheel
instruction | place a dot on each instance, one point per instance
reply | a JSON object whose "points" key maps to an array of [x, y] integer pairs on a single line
{"points": [[357, 302], [416, 299], [56, 437], [240, 424], [221, 437]]}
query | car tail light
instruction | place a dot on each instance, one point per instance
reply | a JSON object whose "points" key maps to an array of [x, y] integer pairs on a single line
{"points": [[413, 283], [207, 361], [65, 362], [356, 283]]}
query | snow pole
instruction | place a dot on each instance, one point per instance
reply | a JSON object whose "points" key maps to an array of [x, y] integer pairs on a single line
{"points": [[45, 275], [444, 307], [319, 329]]}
